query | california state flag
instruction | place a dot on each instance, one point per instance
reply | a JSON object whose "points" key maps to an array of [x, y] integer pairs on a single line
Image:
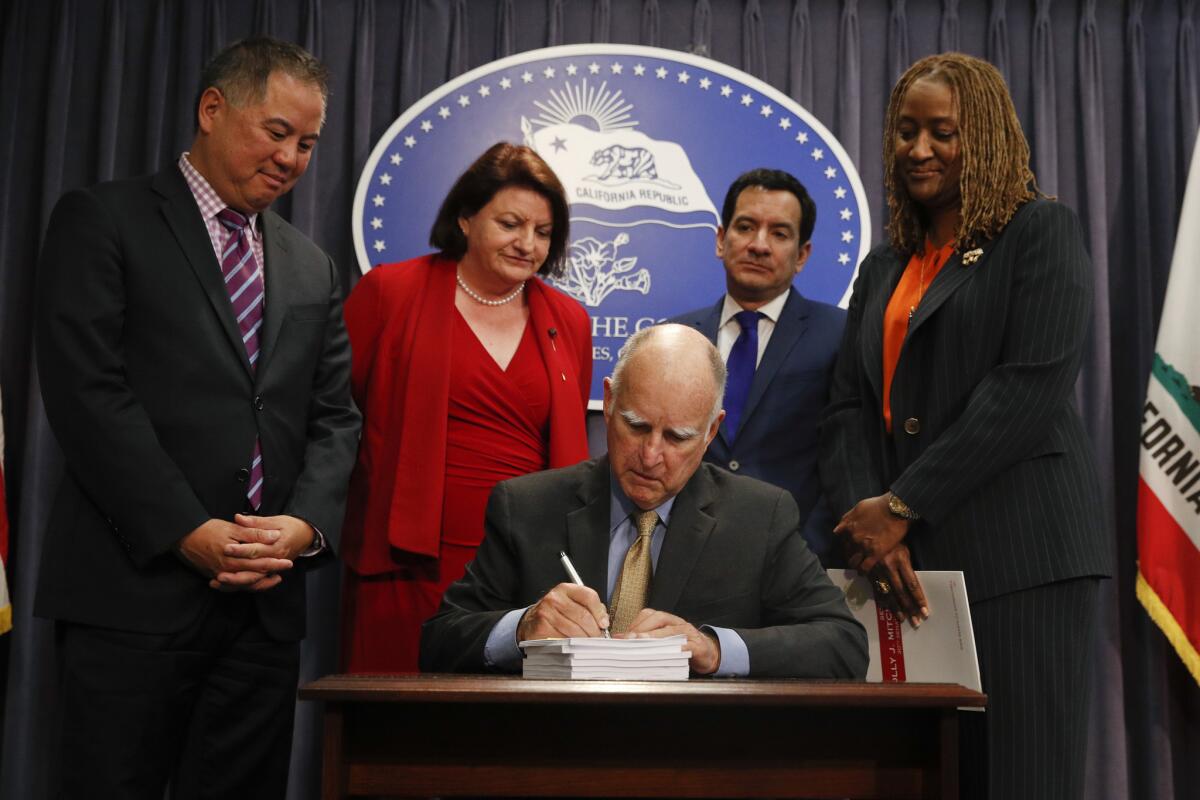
{"points": [[1168, 581], [5, 605]]}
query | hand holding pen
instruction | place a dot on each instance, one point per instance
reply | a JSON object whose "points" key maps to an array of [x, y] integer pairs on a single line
{"points": [[578, 581], [569, 609]]}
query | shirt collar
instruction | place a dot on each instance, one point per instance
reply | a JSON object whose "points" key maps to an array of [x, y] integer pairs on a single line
{"points": [[770, 310], [621, 507], [206, 196], [941, 254]]}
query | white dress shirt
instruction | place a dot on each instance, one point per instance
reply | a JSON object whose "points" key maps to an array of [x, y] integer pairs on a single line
{"points": [[728, 330]]}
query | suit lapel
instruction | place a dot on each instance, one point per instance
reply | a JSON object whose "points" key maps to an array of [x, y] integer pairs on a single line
{"points": [[687, 534], [952, 276], [587, 528], [793, 322], [275, 253], [708, 325], [183, 218]]}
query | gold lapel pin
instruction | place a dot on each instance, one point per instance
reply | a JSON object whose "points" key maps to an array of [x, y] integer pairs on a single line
{"points": [[971, 256]]}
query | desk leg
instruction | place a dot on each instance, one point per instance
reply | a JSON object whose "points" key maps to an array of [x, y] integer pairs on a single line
{"points": [[949, 746], [333, 757]]}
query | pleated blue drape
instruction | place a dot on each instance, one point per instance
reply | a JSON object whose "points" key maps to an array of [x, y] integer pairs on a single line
{"points": [[997, 41], [458, 55], [410, 44], [554, 28], [800, 55], [505, 41], [849, 80], [754, 43], [601, 20], [897, 36], [948, 28], [1189, 76], [305, 199], [1044, 136], [702, 29], [650, 23]]}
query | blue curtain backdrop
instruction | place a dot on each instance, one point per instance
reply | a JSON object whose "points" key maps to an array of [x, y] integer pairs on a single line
{"points": [[1109, 93]]}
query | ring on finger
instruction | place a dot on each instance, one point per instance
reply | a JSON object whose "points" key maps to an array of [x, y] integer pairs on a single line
{"points": [[882, 586]]}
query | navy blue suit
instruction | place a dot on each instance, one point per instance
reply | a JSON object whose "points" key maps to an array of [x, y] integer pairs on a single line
{"points": [[777, 437]]}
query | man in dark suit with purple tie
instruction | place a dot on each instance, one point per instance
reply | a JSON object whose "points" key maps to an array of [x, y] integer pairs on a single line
{"points": [[195, 370], [779, 346]]}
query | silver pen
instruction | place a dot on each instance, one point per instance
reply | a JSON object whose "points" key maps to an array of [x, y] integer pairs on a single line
{"points": [[575, 579]]}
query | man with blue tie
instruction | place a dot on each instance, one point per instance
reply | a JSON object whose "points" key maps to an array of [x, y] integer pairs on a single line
{"points": [[779, 346]]}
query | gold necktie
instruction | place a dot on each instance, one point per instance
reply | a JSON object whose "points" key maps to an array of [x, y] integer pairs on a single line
{"points": [[633, 586]]}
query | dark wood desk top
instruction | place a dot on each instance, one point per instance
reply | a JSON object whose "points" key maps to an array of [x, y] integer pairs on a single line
{"points": [[436, 688]]}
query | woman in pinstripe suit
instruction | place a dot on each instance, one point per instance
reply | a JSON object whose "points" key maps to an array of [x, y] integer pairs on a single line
{"points": [[951, 440]]}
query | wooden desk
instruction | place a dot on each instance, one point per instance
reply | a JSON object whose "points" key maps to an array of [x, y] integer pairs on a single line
{"points": [[448, 735]]}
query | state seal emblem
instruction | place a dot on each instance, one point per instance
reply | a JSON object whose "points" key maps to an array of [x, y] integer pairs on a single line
{"points": [[645, 142]]}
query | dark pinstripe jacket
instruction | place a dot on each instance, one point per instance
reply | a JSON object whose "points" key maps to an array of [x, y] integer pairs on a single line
{"points": [[986, 443]]}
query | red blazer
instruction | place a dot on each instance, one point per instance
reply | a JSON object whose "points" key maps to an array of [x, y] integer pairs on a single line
{"points": [[400, 317]]}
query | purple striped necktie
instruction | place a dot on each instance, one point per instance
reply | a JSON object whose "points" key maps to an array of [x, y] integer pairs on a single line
{"points": [[244, 283]]}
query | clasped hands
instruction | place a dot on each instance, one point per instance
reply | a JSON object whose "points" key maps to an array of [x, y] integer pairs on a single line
{"points": [[571, 610], [247, 554], [873, 539]]}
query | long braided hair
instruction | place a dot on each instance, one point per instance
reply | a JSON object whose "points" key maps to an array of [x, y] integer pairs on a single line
{"points": [[996, 178]]}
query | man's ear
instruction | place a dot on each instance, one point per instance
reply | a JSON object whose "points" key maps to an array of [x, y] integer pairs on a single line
{"points": [[720, 242], [212, 104], [805, 252]]}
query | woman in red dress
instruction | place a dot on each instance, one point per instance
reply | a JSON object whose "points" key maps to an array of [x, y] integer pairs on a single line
{"points": [[468, 370]]}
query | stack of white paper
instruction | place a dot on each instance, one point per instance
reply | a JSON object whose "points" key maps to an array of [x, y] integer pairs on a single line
{"points": [[614, 659]]}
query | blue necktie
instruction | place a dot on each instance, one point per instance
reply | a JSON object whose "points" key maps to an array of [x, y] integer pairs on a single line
{"points": [[742, 360]]}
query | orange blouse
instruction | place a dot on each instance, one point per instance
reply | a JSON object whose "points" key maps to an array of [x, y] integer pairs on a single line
{"points": [[919, 273]]}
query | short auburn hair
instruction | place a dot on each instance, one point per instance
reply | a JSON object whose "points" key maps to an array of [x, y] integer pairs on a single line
{"points": [[502, 165]]}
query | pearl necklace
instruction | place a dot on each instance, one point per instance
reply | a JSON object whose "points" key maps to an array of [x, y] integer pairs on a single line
{"points": [[478, 298]]}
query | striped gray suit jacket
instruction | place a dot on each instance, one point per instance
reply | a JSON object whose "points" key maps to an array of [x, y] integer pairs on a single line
{"points": [[986, 443]]}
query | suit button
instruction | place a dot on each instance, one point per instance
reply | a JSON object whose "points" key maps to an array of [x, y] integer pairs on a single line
{"points": [[734, 466], [912, 426], [258, 403], [242, 475]]}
